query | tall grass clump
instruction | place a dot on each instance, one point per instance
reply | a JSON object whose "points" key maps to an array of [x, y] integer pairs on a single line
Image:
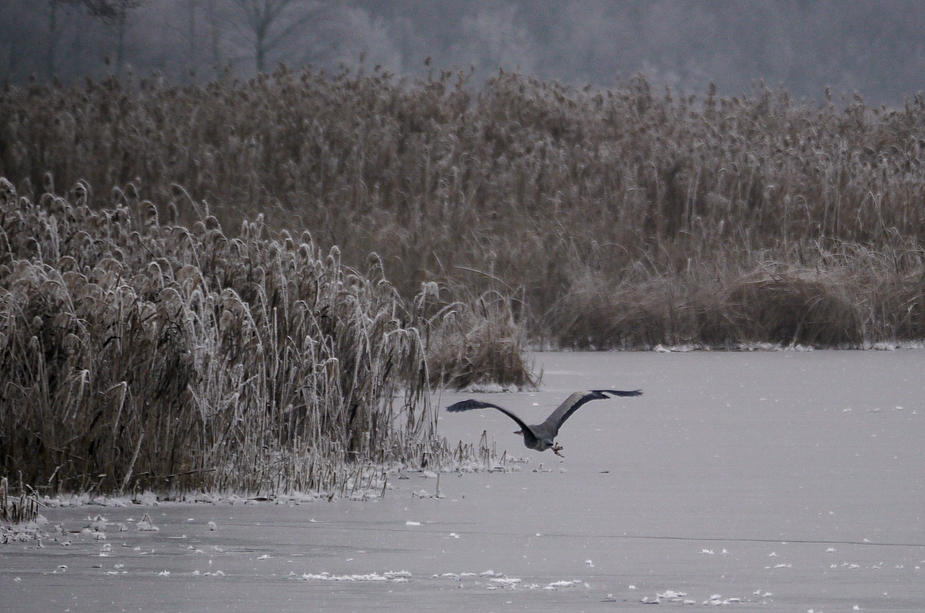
{"points": [[473, 340], [16, 509], [617, 218], [139, 354]]}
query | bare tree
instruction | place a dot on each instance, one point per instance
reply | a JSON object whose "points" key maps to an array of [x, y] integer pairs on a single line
{"points": [[271, 24], [51, 53], [214, 36], [114, 13], [191, 6], [107, 10]]}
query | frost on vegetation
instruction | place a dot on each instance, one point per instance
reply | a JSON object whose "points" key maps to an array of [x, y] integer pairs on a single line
{"points": [[282, 363], [20, 519], [22, 532], [288, 376], [146, 525], [280, 369], [487, 388]]}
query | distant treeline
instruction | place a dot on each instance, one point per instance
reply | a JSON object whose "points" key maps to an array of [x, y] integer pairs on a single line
{"points": [[614, 218], [875, 48]]}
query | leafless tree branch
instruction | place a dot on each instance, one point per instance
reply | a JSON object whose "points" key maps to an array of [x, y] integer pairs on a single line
{"points": [[107, 10]]}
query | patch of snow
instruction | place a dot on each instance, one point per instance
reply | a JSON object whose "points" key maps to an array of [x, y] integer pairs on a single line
{"points": [[393, 576], [505, 581], [555, 585]]}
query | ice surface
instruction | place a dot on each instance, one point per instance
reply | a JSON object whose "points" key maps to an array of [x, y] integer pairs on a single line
{"points": [[738, 479]]}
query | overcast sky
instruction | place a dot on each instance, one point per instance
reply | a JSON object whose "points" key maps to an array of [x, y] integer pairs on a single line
{"points": [[874, 48]]}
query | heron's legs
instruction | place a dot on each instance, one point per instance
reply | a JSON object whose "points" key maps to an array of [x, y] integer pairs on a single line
{"points": [[556, 448]]}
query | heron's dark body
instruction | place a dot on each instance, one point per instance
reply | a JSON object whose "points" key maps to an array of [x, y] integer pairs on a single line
{"points": [[542, 436]]}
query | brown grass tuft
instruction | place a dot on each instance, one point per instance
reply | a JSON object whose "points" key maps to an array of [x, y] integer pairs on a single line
{"points": [[473, 341]]}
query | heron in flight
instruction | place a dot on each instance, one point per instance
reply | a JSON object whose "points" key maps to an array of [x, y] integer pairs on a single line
{"points": [[541, 436]]}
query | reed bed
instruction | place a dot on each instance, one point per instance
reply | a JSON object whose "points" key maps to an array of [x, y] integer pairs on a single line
{"points": [[137, 355], [618, 218], [845, 296], [143, 348]]}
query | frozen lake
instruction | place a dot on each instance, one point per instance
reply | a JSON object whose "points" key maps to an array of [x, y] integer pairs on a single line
{"points": [[789, 481]]}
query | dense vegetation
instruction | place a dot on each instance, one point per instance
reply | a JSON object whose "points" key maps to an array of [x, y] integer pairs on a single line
{"points": [[136, 355], [619, 218], [141, 346]]}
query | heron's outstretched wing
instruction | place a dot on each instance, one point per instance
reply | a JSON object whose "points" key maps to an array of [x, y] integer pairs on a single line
{"points": [[576, 400], [466, 405], [620, 392]]}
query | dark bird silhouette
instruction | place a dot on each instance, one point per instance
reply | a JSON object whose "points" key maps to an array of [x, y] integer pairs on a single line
{"points": [[542, 436]]}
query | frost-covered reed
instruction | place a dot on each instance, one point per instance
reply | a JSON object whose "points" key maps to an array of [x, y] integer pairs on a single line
{"points": [[16, 509], [139, 355]]}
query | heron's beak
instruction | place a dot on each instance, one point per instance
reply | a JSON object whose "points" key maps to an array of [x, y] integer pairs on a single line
{"points": [[519, 432]]}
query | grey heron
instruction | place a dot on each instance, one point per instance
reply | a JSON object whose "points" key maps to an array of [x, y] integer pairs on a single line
{"points": [[541, 436]]}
